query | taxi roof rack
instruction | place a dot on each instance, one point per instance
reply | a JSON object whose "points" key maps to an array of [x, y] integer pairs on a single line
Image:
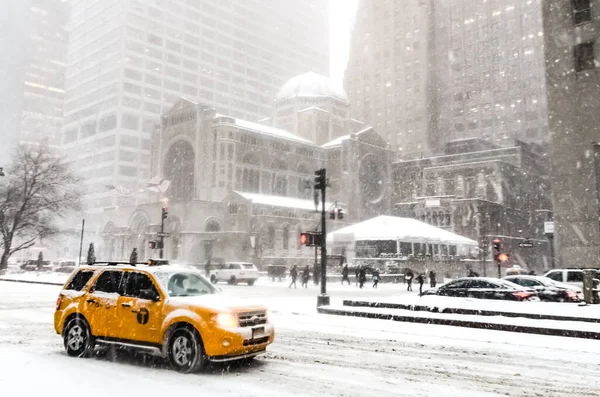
{"points": [[116, 263]]}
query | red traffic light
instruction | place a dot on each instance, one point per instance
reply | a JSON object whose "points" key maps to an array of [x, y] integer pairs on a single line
{"points": [[303, 238]]}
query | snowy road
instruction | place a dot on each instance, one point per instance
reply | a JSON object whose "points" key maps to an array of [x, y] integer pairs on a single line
{"points": [[313, 355]]}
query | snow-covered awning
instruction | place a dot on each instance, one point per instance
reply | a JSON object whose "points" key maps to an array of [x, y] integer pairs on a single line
{"points": [[279, 201], [398, 229]]}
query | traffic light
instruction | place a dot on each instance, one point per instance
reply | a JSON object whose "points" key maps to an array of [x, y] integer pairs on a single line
{"points": [[310, 239], [496, 247], [165, 212], [503, 257], [153, 245], [332, 213], [304, 239], [340, 213], [320, 179]]}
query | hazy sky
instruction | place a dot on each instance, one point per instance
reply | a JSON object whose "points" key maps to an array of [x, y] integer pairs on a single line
{"points": [[341, 21]]}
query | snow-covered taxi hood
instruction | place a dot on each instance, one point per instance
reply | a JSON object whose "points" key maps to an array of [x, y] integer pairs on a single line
{"points": [[217, 302]]}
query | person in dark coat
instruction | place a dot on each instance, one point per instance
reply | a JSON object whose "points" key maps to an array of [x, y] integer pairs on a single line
{"points": [[357, 273], [409, 279], [305, 276], [345, 274], [294, 276], [375, 278], [421, 280], [471, 273], [432, 280], [362, 277]]}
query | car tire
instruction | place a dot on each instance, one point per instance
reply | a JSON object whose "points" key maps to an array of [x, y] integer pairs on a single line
{"points": [[251, 282], [186, 351], [77, 338], [213, 279], [232, 280]]}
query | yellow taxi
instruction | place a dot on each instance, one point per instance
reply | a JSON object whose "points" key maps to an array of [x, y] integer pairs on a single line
{"points": [[164, 310]]}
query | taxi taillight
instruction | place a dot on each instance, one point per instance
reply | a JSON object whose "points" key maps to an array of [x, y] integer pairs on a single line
{"points": [[58, 301]]}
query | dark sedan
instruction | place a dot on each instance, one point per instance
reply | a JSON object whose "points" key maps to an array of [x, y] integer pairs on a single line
{"points": [[547, 289], [484, 288]]}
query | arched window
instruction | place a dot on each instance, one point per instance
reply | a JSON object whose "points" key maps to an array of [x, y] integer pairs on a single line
{"points": [[212, 227], [286, 238], [303, 176], [279, 181], [251, 173], [271, 237], [179, 169]]}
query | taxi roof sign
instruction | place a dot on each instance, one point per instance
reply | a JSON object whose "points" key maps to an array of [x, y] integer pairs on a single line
{"points": [[157, 262]]}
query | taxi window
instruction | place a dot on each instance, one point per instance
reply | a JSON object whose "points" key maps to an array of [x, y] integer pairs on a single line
{"points": [[109, 282], [137, 282], [80, 280]]}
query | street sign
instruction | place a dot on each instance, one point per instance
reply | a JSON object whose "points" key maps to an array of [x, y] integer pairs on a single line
{"points": [[161, 234], [527, 243], [548, 227]]}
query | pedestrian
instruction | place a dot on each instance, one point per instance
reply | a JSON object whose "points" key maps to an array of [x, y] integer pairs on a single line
{"points": [[375, 277], [432, 281], [362, 277], [357, 273], [408, 277], [421, 281], [305, 276], [294, 276], [345, 274]]}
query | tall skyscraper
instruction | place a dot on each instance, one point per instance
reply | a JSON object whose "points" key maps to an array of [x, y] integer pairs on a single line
{"points": [[33, 44], [425, 72], [572, 59], [129, 61]]}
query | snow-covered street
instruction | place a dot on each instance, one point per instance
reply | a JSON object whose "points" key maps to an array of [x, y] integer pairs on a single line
{"points": [[313, 355]]}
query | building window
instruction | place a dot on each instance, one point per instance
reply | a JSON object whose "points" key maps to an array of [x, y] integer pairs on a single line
{"points": [[271, 237], [584, 56], [233, 209], [286, 238], [582, 11]]}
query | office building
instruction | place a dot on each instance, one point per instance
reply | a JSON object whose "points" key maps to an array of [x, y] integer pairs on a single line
{"points": [[129, 61], [427, 72]]}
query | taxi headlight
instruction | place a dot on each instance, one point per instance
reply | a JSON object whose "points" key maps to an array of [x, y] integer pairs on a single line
{"points": [[225, 320]]}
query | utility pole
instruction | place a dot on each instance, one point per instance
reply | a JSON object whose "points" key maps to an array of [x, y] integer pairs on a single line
{"points": [[163, 215], [81, 241]]}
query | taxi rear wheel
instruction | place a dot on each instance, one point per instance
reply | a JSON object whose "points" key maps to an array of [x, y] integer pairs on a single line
{"points": [[186, 351], [78, 339]]}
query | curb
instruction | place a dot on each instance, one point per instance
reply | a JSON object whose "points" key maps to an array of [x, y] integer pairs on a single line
{"points": [[32, 282], [464, 323], [434, 309]]}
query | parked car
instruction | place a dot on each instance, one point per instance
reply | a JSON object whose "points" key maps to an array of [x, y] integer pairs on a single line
{"points": [[235, 272], [65, 267], [547, 289], [484, 288], [568, 276]]}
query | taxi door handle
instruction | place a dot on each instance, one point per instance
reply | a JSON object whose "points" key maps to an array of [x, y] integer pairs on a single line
{"points": [[126, 304]]}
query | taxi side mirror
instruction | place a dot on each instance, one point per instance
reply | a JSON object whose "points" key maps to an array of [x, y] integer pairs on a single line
{"points": [[149, 294]]}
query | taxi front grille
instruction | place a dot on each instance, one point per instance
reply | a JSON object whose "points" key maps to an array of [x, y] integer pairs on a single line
{"points": [[250, 319]]}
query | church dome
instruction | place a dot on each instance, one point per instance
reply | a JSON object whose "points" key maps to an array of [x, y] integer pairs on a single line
{"points": [[311, 85]]}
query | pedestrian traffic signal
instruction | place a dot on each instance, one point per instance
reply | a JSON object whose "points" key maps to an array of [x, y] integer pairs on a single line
{"points": [[303, 238], [165, 212], [340, 213], [311, 239], [153, 245], [332, 213]]}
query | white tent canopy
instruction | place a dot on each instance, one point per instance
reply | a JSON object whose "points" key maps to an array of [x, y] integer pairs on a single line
{"points": [[398, 229]]}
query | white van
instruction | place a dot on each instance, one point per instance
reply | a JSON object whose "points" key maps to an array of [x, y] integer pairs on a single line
{"points": [[567, 276], [234, 272]]}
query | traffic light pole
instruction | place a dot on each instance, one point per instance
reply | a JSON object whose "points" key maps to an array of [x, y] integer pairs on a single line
{"points": [[323, 299], [162, 231]]}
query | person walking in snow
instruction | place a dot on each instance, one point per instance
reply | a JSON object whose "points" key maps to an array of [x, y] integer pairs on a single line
{"points": [[375, 277], [421, 281], [345, 274], [357, 273], [294, 276], [409, 278], [432, 281], [362, 277], [305, 276]]}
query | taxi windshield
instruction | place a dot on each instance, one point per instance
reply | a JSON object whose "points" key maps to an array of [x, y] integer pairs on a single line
{"points": [[184, 284]]}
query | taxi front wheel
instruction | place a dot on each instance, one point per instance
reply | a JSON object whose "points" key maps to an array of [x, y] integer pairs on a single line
{"points": [[186, 351], [77, 338]]}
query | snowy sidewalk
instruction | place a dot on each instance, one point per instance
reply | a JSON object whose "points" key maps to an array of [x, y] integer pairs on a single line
{"points": [[574, 329], [485, 307]]}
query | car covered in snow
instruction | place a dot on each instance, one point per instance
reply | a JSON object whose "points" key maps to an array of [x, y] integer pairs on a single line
{"points": [[164, 310], [234, 272], [547, 289], [484, 288]]}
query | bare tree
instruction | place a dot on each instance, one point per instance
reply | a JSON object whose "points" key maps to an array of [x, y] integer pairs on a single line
{"points": [[37, 189]]}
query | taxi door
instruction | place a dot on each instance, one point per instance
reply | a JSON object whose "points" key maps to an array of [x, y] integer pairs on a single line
{"points": [[139, 309], [100, 303]]}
